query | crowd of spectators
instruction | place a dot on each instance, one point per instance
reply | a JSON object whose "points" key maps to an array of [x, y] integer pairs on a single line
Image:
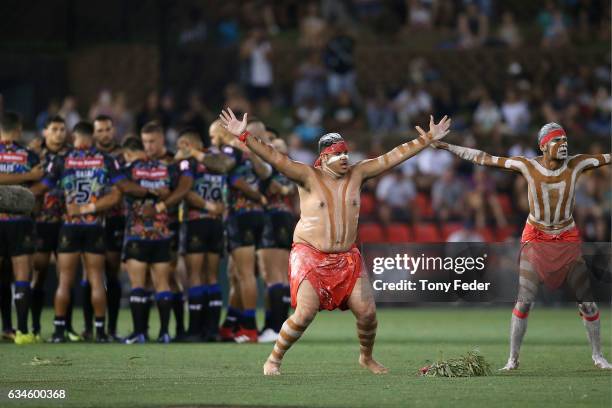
{"points": [[326, 95]]}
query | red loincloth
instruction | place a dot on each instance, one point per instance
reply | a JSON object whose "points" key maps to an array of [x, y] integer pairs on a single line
{"points": [[332, 275], [552, 256]]}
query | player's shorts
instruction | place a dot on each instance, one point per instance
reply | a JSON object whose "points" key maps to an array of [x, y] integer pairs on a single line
{"points": [[278, 230], [47, 236], [17, 237], [114, 232], [175, 228], [245, 230], [81, 238], [205, 235], [149, 252], [551, 256], [332, 275]]}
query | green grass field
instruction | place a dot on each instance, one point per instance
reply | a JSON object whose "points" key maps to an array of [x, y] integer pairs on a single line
{"points": [[322, 370]]}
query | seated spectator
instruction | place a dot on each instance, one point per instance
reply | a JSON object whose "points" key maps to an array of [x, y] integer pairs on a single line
{"points": [[409, 103], [420, 15], [472, 27], [236, 100], [312, 27], [310, 80], [467, 233], [339, 60], [487, 116], [309, 118], [515, 112], [69, 112], [554, 26], [508, 33], [396, 192], [298, 152], [447, 197], [151, 111], [343, 115], [481, 199], [379, 110]]}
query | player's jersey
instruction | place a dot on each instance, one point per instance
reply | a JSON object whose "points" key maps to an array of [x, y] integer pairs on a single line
{"points": [[118, 210], [52, 206], [15, 159], [211, 187], [84, 176], [277, 202], [143, 221], [552, 193], [238, 202], [184, 167]]}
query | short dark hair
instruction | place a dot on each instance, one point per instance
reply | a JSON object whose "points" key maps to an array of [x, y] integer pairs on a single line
{"points": [[101, 118], [273, 131], [11, 121], [152, 127], [83, 128], [54, 119], [192, 135], [133, 143]]}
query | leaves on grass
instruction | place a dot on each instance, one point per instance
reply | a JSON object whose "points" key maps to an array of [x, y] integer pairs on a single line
{"points": [[57, 361], [472, 364]]}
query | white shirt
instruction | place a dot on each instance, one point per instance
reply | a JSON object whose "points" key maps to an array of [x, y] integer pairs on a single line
{"points": [[261, 68]]}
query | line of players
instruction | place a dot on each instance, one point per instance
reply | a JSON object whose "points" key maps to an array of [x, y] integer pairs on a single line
{"points": [[138, 207]]}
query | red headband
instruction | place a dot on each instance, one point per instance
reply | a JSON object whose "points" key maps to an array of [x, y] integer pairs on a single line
{"points": [[551, 135], [334, 148]]}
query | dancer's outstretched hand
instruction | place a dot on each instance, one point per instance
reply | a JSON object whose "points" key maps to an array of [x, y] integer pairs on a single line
{"points": [[437, 131], [231, 123]]}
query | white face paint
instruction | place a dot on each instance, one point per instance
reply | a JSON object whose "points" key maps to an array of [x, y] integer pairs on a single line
{"points": [[333, 159], [557, 148]]}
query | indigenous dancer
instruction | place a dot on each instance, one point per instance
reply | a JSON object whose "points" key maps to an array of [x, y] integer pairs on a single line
{"points": [[550, 250], [326, 269]]}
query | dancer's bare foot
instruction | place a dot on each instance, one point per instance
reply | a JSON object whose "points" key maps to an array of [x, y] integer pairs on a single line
{"points": [[512, 364], [601, 362], [271, 368], [374, 366]]}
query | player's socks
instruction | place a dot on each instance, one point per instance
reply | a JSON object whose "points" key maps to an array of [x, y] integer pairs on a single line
{"points": [[59, 325], [215, 303], [247, 319], [178, 307], [290, 333], [99, 324], [87, 306], [275, 297], [6, 300], [164, 305], [139, 303], [38, 300], [195, 302], [22, 304], [231, 317], [113, 293], [149, 306]]}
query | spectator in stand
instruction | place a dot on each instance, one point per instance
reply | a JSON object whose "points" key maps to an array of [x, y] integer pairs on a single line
{"points": [[467, 233], [600, 123], [195, 118], [481, 199], [123, 118], [413, 100], [256, 65], [396, 192], [69, 112], [310, 80], [336, 11], [236, 100], [379, 110], [343, 115], [554, 26], [487, 115], [41, 119], [447, 197], [515, 112], [562, 108], [102, 106], [508, 33], [312, 27], [151, 111], [339, 60], [420, 15], [298, 152], [309, 117], [168, 108], [472, 27]]}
